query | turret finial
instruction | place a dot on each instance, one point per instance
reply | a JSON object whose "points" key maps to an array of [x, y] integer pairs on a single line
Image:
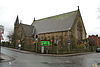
{"points": [[34, 18], [17, 20], [78, 7]]}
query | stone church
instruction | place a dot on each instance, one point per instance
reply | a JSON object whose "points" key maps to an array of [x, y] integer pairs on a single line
{"points": [[22, 35], [64, 31]]}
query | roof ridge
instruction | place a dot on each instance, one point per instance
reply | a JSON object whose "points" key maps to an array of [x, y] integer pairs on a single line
{"points": [[56, 15], [26, 24]]}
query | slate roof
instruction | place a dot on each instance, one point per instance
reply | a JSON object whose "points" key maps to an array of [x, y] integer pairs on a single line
{"points": [[62, 22], [27, 29]]}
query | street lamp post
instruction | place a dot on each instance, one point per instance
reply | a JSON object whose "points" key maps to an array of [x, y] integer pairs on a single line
{"points": [[69, 41], [36, 43], [57, 41], [1, 37], [0, 46], [0, 41]]}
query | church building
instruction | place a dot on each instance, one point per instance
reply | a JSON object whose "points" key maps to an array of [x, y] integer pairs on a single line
{"points": [[64, 31], [56, 34]]}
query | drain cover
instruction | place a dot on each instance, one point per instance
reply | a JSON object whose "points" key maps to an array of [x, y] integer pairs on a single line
{"points": [[45, 62]]}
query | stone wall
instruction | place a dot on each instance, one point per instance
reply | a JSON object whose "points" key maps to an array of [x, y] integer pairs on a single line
{"points": [[59, 42]]}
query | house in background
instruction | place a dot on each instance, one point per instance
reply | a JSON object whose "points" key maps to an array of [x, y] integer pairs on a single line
{"points": [[65, 31], [94, 40]]}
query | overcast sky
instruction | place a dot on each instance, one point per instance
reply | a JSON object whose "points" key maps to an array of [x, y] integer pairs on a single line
{"points": [[28, 9]]}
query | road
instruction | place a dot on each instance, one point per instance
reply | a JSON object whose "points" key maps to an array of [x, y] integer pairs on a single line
{"points": [[37, 60]]}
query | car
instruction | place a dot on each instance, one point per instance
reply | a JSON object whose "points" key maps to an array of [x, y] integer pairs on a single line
{"points": [[98, 49]]}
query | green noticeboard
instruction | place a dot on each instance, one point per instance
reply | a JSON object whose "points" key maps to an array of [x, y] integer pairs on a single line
{"points": [[45, 43]]}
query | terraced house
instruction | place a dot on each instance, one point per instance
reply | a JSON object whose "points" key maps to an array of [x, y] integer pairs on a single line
{"points": [[64, 31], [56, 34]]}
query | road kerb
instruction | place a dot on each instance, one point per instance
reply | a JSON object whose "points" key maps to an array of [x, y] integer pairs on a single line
{"points": [[65, 55]]}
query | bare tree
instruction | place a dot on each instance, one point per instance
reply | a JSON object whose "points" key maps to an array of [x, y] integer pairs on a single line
{"points": [[10, 36], [92, 44]]}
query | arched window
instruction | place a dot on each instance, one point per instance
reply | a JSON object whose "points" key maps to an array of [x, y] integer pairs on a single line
{"points": [[79, 31]]}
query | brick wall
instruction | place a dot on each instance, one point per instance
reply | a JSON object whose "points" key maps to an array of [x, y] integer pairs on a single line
{"points": [[96, 39]]}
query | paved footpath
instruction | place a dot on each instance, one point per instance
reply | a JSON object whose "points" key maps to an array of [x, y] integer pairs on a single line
{"points": [[56, 55]]}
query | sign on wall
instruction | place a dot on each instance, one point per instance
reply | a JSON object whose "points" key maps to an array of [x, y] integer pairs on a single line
{"points": [[45, 43]]}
